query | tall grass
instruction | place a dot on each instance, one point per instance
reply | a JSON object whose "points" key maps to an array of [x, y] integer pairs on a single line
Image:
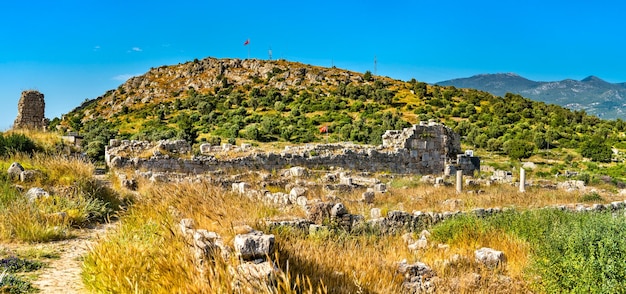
{"points": [[556, 251], [77, 199]]}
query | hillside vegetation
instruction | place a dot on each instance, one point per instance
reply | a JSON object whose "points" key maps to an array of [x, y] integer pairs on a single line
{"points": [[220, 100]]}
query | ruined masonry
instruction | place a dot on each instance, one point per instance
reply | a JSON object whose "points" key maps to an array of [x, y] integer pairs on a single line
{"points": [[30, 111], [426, 148]]}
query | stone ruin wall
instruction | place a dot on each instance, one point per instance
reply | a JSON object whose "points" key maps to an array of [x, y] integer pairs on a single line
{"points": [[30, 111], [420, 149]]}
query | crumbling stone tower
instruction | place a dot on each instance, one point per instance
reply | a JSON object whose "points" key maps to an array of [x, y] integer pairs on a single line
{"points": [[30, 111]]}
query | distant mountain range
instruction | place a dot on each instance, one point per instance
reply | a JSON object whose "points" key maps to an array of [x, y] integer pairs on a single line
{"points": [[592, 94]]}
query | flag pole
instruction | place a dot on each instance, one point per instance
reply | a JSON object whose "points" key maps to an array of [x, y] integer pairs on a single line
{"points": [[247, 44]]}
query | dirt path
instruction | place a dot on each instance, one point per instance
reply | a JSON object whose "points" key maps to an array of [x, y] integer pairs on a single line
{"points": [[62, 275]]}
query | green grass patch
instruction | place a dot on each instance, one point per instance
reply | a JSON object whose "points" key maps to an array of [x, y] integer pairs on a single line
{"points": [[12, 284], [570, 252], [591, 197]]}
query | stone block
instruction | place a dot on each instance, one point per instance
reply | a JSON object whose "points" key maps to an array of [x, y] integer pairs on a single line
{"points": [[368, 197], [338, 210], [254, 246], [375, 213], [489, 257], [15, 170], [35, 193]]}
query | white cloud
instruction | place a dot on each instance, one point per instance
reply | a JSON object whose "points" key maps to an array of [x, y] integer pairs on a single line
{"points": [[96, 48], [124, 77], [136, 49]]}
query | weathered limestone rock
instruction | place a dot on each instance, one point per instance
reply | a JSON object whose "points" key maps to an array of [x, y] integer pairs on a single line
{"points": [[368, 196], [380, 188], [254, 246], [320, 211], [15, 170], [130, 184], [240, 188], [571, 185], [302, 201], [31, 111], [295, 193], [208, 245], [36, 193], [417, 277], [29, 175], [338, 211], [489, 257], [298, 171], [255, 276], [453, 204], [174, 146], [205, 148], [421, 243], [187, 226], [375, 213]]}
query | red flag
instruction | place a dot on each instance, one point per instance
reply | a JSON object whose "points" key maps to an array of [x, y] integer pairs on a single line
{"points": [[246, 42], [324, 129]]}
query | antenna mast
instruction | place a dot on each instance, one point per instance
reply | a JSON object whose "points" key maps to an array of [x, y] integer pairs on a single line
{"points": [[375, 64]]}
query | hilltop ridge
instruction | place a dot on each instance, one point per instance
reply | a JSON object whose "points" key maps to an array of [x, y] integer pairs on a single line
{"points": [[258, 101]]}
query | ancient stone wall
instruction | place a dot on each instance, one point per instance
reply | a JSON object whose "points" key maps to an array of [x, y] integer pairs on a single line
{"points": [[30, 111], [421, 149]]}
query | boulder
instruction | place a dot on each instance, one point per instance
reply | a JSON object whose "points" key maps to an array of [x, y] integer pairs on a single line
{"points": [[295, 193], [302, 201], [376, 213], [380, 188], [29, 175], [254, 246], [417, 277], [489, 257], [255, 276], [319, 211], [298, 171], [338, 210], [187, 226], [36, 193], [368, 196], [240, 187], [15, 170], [421, 243]]}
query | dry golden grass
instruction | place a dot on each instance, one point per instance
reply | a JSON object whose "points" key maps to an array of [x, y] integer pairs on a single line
{"points": [[149, 255], [425, 197], [45, 140], [76, 199]]}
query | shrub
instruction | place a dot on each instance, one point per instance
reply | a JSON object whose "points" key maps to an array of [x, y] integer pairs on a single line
{"points": [[591, 197], [14, 264], [14, 285], [16, 143]]}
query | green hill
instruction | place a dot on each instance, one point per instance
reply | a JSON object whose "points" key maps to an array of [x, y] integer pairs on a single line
{"points": [[216, 100]]}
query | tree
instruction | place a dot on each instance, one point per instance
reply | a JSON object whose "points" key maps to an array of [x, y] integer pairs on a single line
{"points": [[368, 76], [186, 129], [596, 149], [518, 149]]}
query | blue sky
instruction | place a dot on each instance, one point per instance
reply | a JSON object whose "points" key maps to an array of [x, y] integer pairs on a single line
{"points": [[76, 50]]}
